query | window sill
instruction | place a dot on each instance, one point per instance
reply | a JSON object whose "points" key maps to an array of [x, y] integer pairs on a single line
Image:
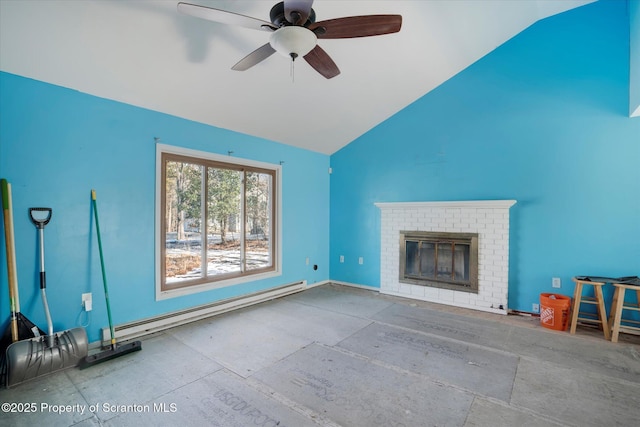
{"points": [[189, 290]]}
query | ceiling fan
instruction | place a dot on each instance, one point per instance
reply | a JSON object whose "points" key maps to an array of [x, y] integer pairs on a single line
{"points": [[295, 33]]}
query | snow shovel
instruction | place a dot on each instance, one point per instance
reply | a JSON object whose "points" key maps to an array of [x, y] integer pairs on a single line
{"points": [[36, 357]]}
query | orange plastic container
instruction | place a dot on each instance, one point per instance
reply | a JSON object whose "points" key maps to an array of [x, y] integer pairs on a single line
{"points": [[554, 311]]}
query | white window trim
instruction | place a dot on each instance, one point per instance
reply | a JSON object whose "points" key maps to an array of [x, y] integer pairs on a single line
{"points": [[188, 290]]}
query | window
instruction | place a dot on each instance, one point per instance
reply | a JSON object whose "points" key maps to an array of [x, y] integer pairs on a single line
{"points": [[217, 221]]}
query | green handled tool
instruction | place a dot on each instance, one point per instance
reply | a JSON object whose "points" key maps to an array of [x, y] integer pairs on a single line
{"points": [[115, 350]]}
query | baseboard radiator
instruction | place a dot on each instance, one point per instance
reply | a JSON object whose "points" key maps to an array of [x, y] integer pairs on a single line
{"points": [[131, 330]]}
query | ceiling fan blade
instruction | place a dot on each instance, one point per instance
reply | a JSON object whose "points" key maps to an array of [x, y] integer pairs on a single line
{"points": [[225, 17], [258, 55], [322, 62], [297, 11], [357, 26]]}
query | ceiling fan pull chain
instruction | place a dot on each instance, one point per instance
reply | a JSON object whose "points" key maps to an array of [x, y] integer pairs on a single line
{"points": [[292, 70]]}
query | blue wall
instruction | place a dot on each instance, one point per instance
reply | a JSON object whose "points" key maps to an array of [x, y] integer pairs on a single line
{"points": [[57, 144], [634, 57], [543, 120]]}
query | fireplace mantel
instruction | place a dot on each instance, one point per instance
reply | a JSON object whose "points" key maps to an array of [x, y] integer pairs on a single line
{"points": [[498, 204], [488, 218]]}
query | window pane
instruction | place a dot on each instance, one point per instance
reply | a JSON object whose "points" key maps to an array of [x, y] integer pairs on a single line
{"points": [[412, 261], [428, 259], [445, 260], [223, 221], [258, 227], [183, 187], [461, 261]]}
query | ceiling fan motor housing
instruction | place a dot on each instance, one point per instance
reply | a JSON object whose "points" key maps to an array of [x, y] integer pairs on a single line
{"points": [[279, 20]]}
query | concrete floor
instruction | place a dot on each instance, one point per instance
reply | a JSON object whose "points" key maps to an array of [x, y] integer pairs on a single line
{"points": [[338, 356]]}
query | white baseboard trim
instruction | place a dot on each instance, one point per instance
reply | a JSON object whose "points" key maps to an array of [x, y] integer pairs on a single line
{"points": [[355, 285], [321, 283]]}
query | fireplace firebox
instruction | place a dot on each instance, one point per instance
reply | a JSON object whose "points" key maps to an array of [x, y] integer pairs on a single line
{"points": [[440, 260]]}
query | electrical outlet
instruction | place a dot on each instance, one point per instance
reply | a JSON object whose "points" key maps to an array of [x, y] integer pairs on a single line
{"points": [[87, 302], [361, 260], [555, 282], [307, 261], [535, 308], [341, 258]]}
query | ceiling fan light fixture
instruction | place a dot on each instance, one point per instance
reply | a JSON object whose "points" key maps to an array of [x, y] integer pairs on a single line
{"points": [[293, 41]]}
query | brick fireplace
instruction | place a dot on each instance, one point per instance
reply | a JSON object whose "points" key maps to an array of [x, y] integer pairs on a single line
{"points": [[488, 218]]}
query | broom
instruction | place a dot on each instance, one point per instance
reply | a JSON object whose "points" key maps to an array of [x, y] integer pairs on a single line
{"points": [[115, 350], [19, 328]]}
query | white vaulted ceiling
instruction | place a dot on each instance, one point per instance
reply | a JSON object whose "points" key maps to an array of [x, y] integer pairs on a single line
{"points": [[146, 54]]}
